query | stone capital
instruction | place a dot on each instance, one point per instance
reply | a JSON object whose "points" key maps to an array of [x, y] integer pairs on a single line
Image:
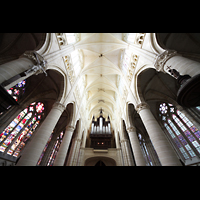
{"points": [[59, 106], [131, 129], [40, 64], [33, 55], [77, 139], [70, 128], [141, 106], [124, 140], [163, 58]]}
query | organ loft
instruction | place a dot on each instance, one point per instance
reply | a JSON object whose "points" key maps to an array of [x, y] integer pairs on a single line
{"points": [[101, 132]]}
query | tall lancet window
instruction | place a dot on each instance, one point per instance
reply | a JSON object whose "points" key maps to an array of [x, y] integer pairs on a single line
{"points": [[55, 149], [15, 136], [184, 135]]}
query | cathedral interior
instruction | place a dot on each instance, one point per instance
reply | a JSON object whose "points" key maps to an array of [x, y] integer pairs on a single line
{"points": [[99, 99]]}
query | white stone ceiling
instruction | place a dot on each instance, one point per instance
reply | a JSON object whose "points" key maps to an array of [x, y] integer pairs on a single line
{"points": [[101, 70]]}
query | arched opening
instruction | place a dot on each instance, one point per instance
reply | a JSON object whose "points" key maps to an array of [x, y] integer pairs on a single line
{"points": [[100, 164], [97, 161]]}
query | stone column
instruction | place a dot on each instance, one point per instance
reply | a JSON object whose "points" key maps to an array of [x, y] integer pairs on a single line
{"points": [[128, 152], [119, 150], [139, 159], [33, 151], [164, 150], [128, 160], [72, 152], [81, 154], [61, 156], [176, 61], [124, 156], [76, 151], [14, 71]]}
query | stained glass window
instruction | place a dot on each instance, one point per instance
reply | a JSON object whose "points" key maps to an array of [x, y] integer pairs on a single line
{"points": [[163, 108], [145, 151], [55, 149], [182, 131], [18, 90], [44, 150], [15, 136], [198, 108]]}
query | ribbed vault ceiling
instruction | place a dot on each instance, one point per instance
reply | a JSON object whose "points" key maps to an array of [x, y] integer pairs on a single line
{"points": [[101, 57]]}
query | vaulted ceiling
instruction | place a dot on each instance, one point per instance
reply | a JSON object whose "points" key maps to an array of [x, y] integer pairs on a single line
{"points": [[101, 57]]}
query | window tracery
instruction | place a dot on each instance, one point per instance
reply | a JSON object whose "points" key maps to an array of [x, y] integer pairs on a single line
{"points": [[135, 38], [15, 136], [74, 64], [182, 131], [128, 63], [67, 38]]}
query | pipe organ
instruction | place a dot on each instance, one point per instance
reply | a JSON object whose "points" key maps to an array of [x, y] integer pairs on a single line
{"points": [[100, 133]]}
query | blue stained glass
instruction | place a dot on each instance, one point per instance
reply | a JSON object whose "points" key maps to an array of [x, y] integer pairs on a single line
{"points": [[21, 83], [18, 90], [183, 141], [177, 143], [197, 134]]}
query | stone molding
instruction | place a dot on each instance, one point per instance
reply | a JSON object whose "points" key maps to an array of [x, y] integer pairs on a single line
{"points": [[163, 58]]}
